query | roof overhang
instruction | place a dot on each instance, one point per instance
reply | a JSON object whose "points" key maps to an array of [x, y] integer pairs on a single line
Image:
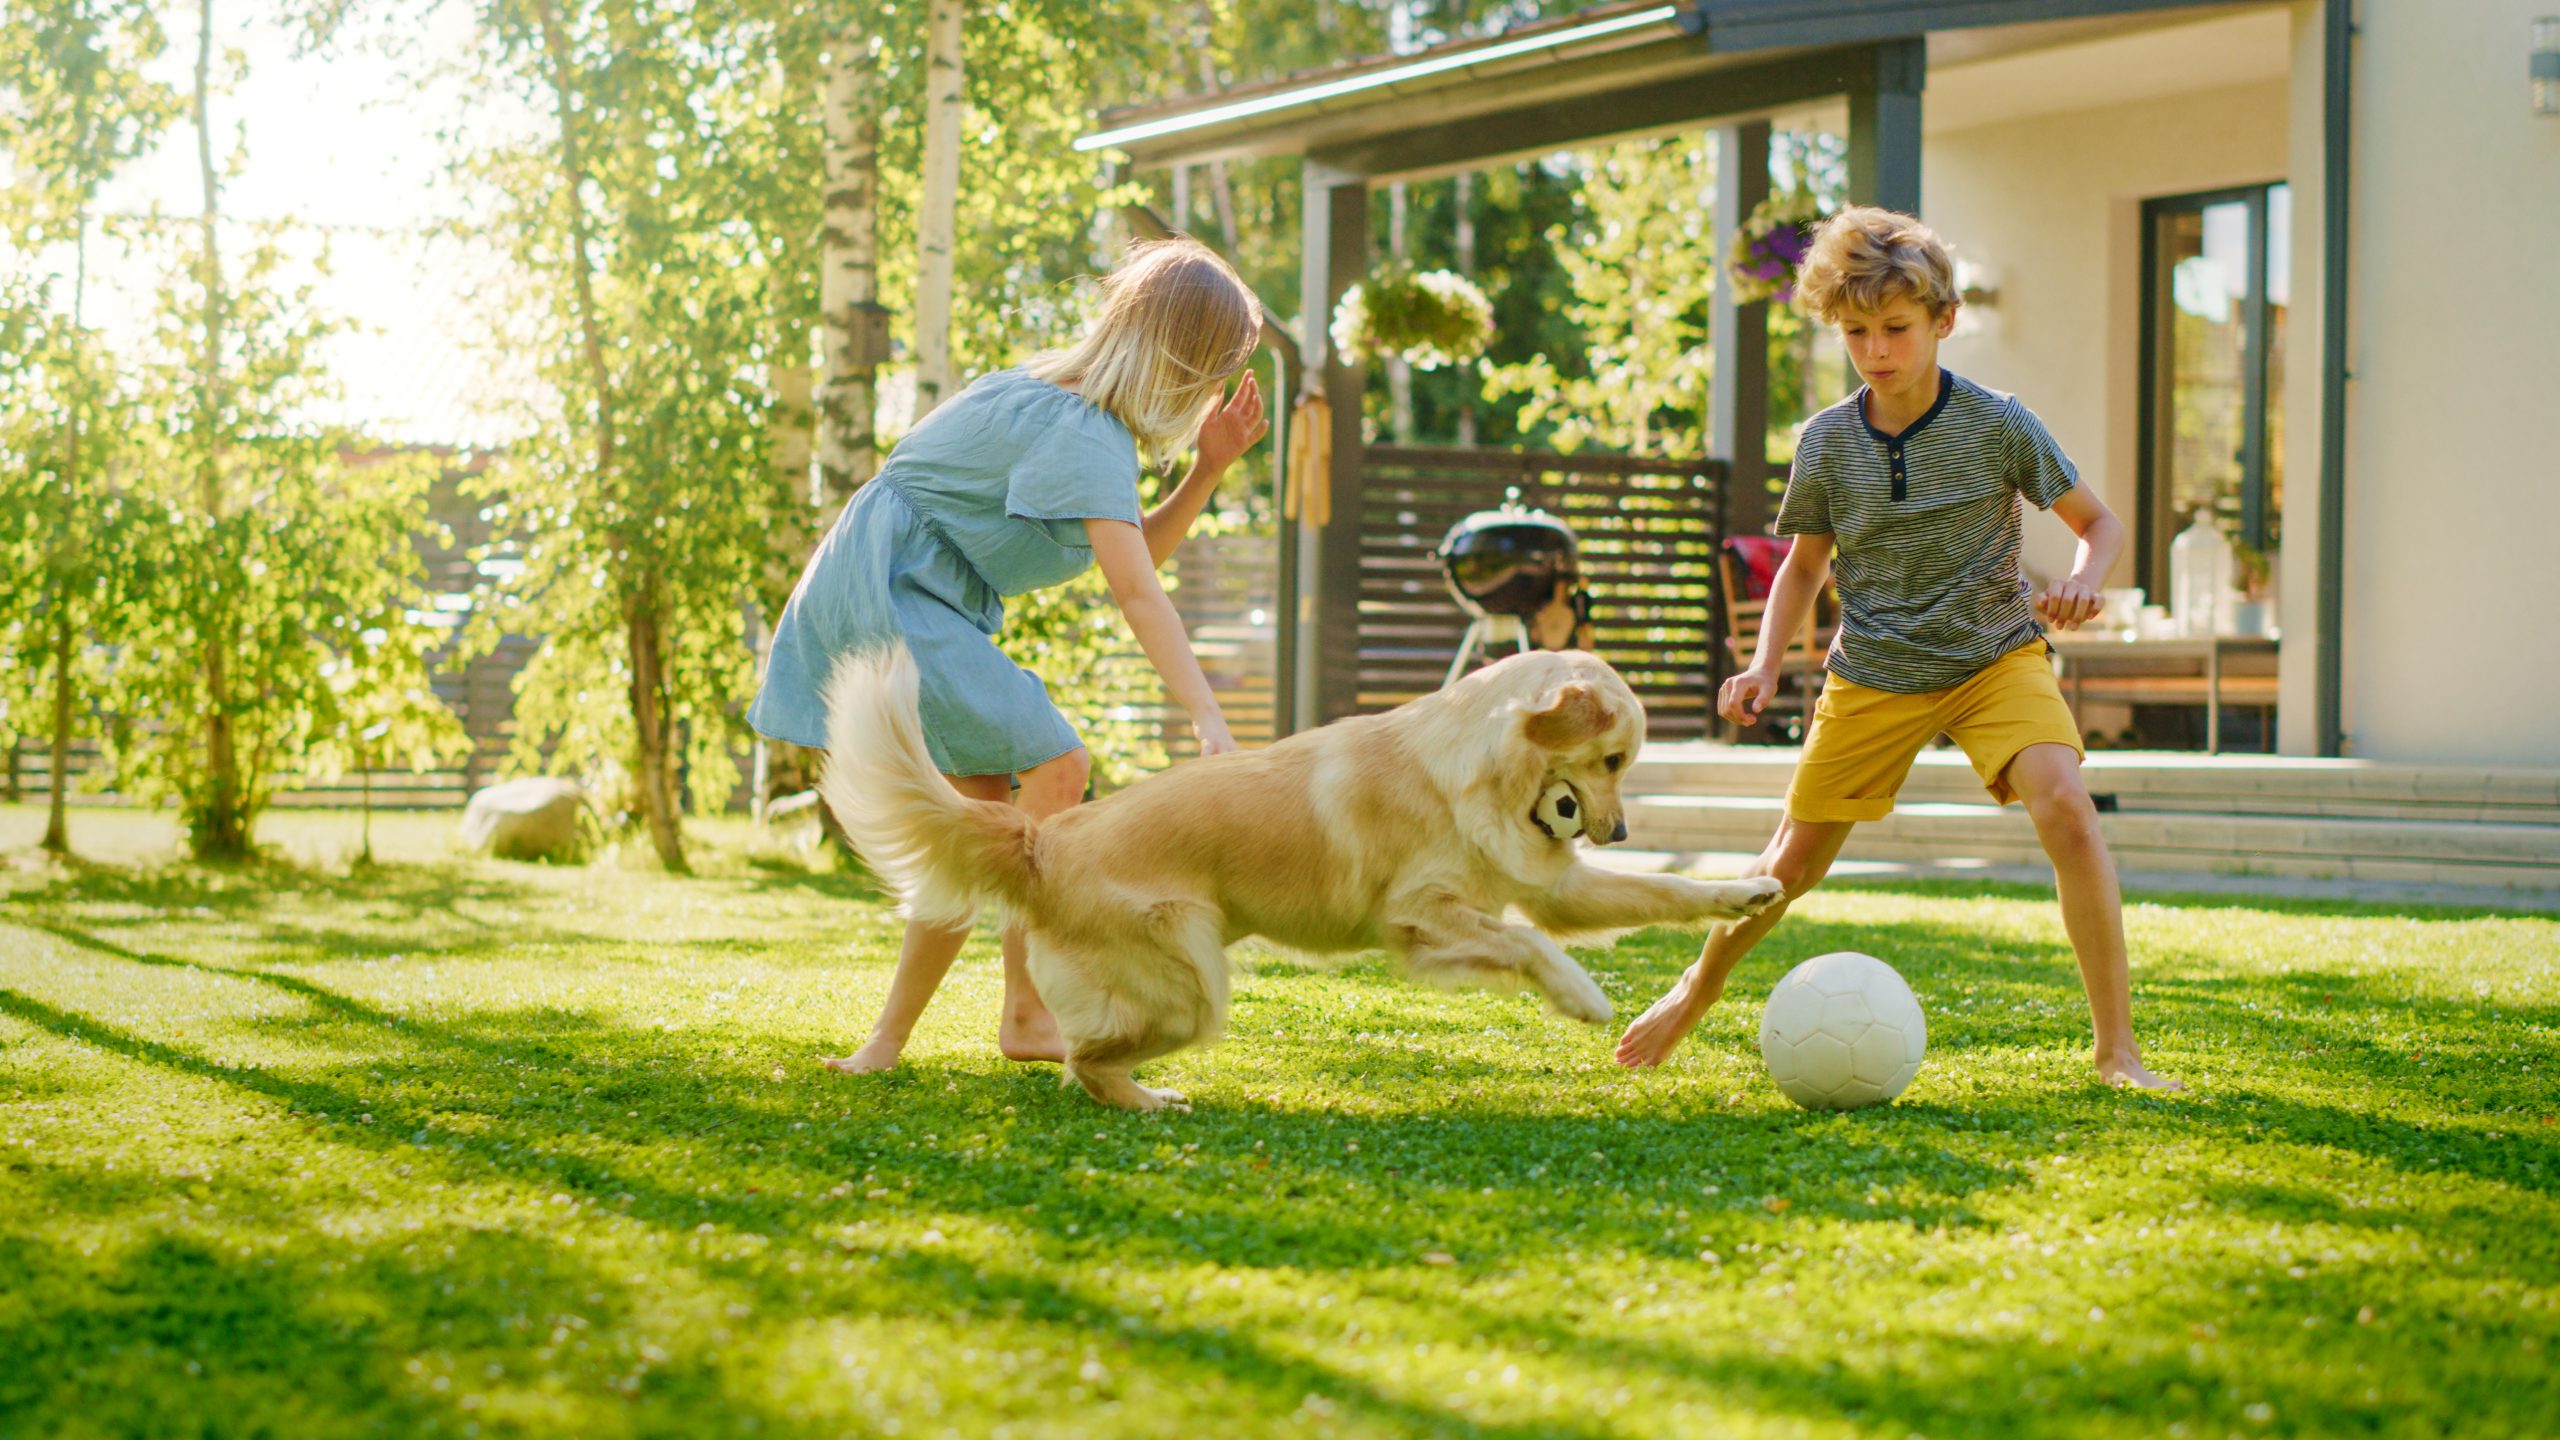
{"points": [[1523, 50], [1603, 71]]}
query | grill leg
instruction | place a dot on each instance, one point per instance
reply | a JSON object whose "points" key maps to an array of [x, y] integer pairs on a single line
{"points": [[1483, 633]]}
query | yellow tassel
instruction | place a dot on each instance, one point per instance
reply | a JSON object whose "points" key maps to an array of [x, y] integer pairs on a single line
{"points": [[1309, 490]]}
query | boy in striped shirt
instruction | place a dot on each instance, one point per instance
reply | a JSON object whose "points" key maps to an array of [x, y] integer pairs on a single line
{"points": [[1909, 490]]}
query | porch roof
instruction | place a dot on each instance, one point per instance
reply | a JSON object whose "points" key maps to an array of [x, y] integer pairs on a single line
{"points": [[1600, 71]]}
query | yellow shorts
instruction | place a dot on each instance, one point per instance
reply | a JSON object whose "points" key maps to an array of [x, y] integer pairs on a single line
{"points": [[1864, 740]]}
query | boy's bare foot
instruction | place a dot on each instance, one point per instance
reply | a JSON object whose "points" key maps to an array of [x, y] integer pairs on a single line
{"points": [[2131, 1071], [877, 1054], [1660, 1029], [1030, 1035]]}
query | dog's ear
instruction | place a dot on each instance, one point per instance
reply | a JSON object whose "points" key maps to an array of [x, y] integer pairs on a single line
{"points": [[1571, 715]]}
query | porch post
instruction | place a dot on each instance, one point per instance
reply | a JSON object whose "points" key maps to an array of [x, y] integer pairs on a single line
{"points": [[2311, 597], [1324, 612], [1738, 387], [2337, 130], [1884, 127]]}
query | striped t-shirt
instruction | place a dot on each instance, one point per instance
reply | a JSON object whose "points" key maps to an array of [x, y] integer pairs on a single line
{"points": [[1926, 524]]}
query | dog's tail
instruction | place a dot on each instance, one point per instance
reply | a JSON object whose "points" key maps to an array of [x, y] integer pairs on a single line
{"points": [[944, 854]]}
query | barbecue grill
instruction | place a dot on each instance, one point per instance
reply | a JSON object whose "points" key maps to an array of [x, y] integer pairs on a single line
{"points": [[1504, 566]]}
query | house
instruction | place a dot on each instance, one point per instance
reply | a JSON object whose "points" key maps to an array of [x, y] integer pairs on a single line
{"points": [[2352, 203]]}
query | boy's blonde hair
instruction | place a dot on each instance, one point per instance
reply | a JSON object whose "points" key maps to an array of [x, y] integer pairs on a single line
{"points": [[1865, 258], [1176, 323]]}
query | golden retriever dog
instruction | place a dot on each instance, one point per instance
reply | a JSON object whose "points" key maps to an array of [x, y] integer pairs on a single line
{"points": [[1412, 832]]}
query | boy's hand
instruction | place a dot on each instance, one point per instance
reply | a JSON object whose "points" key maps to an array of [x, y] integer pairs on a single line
{"points": [[1233, 428], [2067, 604], [1742, 697]]}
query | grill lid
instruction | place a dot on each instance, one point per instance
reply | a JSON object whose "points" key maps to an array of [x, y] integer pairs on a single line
{"points": [[1508, 561]]}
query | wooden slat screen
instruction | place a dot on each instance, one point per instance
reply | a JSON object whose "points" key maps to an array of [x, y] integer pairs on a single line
{"points": [[1226, 589], [1648, 531]]}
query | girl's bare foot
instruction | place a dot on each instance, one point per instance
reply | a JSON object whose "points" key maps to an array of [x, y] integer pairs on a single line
{"points": [[877, 1054], [2129, 1070], [1659, 1030], [1030, 1033]]}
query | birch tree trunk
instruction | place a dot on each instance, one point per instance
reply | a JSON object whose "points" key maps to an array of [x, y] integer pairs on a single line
{"points": [[652, 758], [936, 217], [57, 820], [1399, 370], [1224, 194], [1465, 202], [1220, 191], [790, 437], [848, 270], [222, 829], [790, 442]]}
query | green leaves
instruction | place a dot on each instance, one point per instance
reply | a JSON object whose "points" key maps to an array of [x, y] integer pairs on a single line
{"points": [[1638, 255], [75, 104]]}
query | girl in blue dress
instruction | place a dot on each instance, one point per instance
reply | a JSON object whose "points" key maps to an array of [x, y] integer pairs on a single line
{"points": [[1018, 483]]}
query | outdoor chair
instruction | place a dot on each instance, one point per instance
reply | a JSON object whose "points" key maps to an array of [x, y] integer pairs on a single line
{"points": [[1799, 670]]}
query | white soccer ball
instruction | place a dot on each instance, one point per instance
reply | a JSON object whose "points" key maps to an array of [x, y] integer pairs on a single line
{"points": [[1842, 1031], [1559, 811]]}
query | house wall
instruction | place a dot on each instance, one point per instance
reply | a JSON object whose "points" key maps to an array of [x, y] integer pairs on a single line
{"points": [[2451, 645], [2050, 205], [2451, 633]]}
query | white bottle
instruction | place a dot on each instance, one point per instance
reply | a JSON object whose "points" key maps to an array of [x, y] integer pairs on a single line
{"points": [[2200, 578]]}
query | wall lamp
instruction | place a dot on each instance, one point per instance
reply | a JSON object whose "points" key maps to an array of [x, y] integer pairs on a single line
{"points": [[2546, 65]]}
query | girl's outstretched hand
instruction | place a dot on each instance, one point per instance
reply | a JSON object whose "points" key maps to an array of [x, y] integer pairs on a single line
{"points": [[1234, 427], [1213, 736]]}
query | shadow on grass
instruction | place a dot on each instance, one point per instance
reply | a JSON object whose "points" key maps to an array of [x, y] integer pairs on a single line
{"points": [[1497, 1177], [1485, 1166], [841, 882], [1910, 1373], [1986, 993], [156, 1336], [406, 892]]}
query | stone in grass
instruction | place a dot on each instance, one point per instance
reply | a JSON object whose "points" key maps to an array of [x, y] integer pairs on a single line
{"points": [[797, 821], [536, 818], [803, 822]]}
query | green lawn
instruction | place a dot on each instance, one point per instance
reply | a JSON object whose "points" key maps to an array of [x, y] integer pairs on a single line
{"points": [[455, 1148]]}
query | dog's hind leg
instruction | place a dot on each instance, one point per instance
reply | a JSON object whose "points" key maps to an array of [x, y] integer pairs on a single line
{"points": [[1114, 1015], [1448, 941], [1102, 1067]]}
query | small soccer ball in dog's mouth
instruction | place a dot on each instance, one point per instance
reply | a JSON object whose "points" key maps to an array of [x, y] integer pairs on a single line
{"points": [[1559, 811]]}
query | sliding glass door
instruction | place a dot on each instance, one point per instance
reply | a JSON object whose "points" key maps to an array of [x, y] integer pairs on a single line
{"points": [[2215, 286]]}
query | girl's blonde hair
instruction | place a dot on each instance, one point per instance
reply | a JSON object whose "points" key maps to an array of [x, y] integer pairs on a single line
{"points": [[1176, 323], [1864, 258]]}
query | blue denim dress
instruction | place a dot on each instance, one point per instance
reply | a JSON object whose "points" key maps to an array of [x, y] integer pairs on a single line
{"points": [[986, 498]]}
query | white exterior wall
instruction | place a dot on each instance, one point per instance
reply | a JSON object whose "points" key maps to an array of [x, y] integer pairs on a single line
{"points": [[2451, 643], [2451, 648], [2051, 204]]}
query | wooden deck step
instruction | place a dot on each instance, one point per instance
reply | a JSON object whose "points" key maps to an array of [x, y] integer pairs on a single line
{"points": [[2145, 782], [2397, 851]]}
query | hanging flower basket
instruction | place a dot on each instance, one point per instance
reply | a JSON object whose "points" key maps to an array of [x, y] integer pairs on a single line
{"points": [[1770, 244], [1432, 319]]}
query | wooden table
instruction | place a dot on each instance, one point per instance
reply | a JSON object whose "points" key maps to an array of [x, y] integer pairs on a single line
{"points": [[2082, 651]]}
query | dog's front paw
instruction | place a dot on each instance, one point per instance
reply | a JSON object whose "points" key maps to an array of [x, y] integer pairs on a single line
{"points": [[1742, 899], [1576, 995], [1759, 893]]}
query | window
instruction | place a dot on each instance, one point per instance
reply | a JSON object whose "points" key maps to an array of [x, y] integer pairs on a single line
{"points": [[2216, 279]]}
